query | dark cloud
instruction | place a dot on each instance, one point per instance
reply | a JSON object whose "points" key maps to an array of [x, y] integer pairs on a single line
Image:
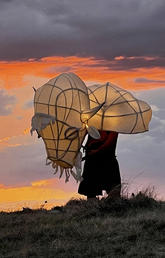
{"points": [[7, 103], [138, 62], [126, 63], [145, 80], [102, 29]]}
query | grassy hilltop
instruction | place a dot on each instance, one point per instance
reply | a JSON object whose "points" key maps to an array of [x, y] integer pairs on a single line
{"points": [[132, 227]]}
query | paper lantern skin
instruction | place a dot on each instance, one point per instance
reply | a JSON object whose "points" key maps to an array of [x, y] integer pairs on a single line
{"points": [[63, 98], [121, 112], [65, 109]]}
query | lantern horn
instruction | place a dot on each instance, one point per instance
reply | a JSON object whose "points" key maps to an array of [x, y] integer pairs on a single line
{"points": [[34, 88], [87, 114]]}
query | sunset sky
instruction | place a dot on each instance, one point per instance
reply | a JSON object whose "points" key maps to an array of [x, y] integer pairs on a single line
{"points": [[117, 41]]}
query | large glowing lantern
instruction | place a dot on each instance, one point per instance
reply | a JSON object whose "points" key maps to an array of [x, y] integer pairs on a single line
{"points": [[121, 112], [61, 107], [66, 110]]}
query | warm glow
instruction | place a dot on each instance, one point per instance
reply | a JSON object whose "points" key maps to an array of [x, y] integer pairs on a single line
{"points": [[119, 58], [34, 196]]}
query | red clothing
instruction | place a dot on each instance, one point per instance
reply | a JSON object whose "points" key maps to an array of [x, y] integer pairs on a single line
{"points": [[105, 144]]}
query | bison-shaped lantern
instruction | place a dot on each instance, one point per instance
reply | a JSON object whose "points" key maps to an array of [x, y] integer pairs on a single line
{"points": [[62, 110], [121, 111], [66, 110]]}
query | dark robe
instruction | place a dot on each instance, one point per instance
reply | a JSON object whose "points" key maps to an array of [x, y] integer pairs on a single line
{"points": [[101, 169]]}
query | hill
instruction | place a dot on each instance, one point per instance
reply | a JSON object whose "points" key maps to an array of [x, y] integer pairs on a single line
{"points": [[133, 227]]}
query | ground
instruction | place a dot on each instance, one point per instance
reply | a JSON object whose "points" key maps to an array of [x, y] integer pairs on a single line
{"points": [[133, 227]]}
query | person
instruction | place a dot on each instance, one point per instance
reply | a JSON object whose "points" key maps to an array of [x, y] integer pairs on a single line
{"points": [[101, 168]]}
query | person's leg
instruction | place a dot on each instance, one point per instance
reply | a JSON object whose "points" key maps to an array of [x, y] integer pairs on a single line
{"points": [[90, 185], [114, 188]]}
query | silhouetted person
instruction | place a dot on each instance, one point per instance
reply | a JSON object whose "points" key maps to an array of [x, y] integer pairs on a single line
{"points": [[101, 169]]}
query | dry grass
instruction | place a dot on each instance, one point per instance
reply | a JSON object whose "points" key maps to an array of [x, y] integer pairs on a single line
{"points": [[133, 227]]}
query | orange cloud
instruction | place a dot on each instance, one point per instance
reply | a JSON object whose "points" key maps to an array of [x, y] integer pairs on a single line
{"points": [[46, 183], [35, 195], [2, 186], [35, 72], [119, 57], [5, 139], [10, 141]]}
